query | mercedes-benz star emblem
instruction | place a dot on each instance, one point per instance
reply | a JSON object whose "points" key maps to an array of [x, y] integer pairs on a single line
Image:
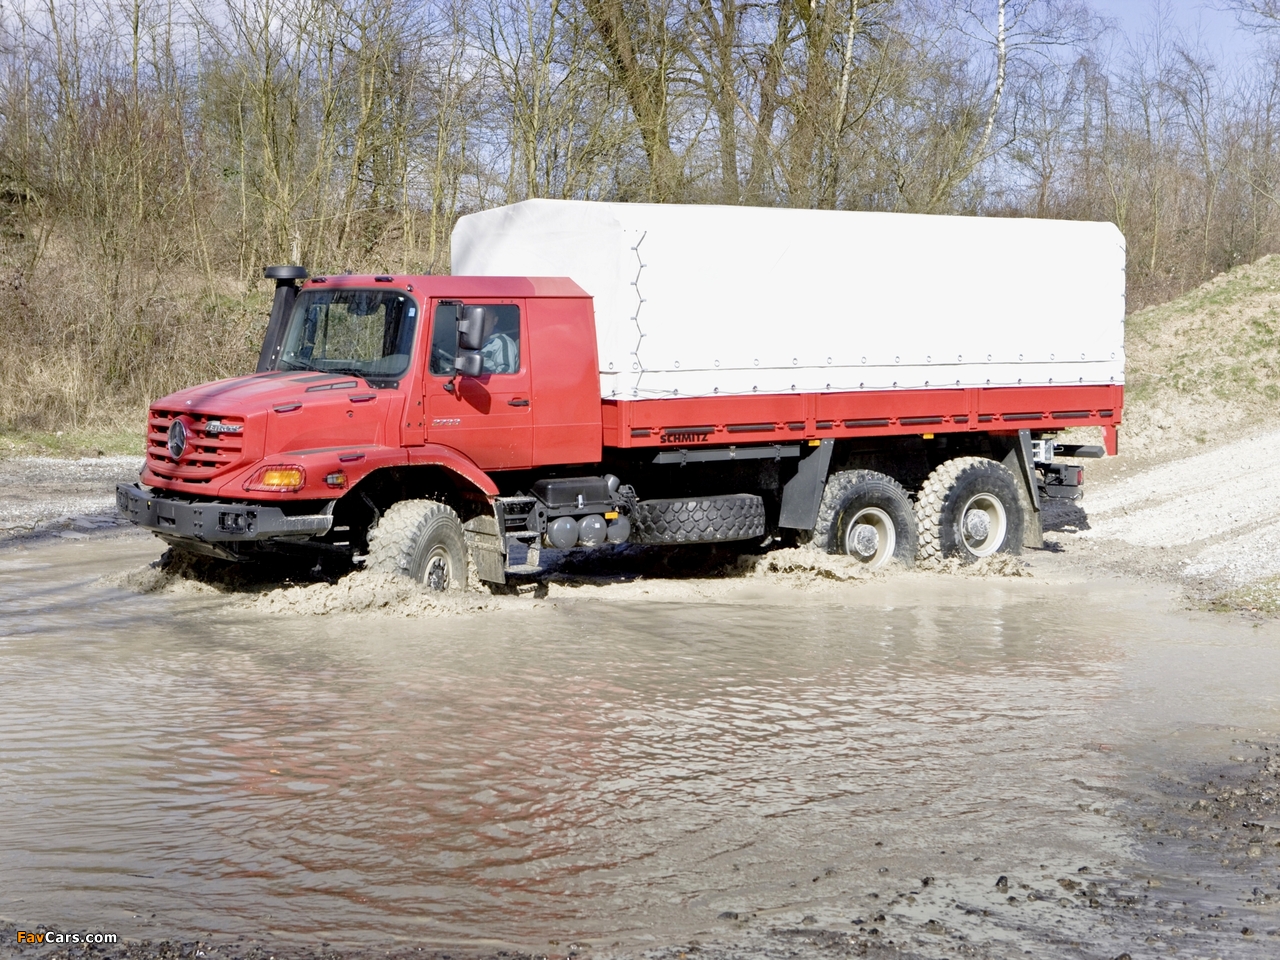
{"points": [[177, 439]]}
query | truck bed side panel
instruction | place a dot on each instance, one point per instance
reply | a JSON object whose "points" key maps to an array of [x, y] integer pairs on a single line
{"points": [[779, 418]]}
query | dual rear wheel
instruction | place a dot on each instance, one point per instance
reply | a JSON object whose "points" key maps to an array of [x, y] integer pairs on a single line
{"points": [[968, 508]]}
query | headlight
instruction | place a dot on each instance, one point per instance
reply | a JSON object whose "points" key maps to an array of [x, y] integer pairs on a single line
{"points": [[278, 478]]}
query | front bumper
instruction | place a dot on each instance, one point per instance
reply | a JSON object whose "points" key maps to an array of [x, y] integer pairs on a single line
{"points": [[210, 521]]}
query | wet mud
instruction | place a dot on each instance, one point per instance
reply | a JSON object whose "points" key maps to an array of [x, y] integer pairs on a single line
{"points": [[612, 574]]}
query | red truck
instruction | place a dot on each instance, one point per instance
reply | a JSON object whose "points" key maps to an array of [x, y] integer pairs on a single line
{"points": [[415, 424]]}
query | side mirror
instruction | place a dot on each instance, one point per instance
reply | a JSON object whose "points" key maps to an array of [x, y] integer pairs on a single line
{"points": [[471, 330], [468, 364]]}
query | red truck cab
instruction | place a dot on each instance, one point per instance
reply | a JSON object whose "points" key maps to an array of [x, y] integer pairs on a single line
{"points": [[364, 378]]}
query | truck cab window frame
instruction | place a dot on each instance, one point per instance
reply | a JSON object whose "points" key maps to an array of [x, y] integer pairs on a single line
{"points": [[501, 349], [353, 331]]}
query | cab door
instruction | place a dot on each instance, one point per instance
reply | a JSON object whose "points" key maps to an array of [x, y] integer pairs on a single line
{"points": [[487, 418]]}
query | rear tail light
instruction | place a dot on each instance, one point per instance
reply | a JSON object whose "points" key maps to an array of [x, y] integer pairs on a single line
{"points": [[278, 478]]}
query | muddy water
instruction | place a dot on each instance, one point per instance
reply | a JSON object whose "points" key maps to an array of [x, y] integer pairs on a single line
{"points": [[596, 767]]}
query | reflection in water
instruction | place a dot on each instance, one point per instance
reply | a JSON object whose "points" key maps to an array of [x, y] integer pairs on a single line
{"points": [[590, 769]]}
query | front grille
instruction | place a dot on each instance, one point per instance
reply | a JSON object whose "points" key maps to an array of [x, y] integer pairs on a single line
{"points": [[207, 455]]}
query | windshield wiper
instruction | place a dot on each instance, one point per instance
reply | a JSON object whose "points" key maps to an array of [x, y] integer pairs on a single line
{"points": [[332, 371], [345, 372]]}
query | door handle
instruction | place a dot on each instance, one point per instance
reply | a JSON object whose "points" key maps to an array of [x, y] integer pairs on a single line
{"points": [[517, 403]]}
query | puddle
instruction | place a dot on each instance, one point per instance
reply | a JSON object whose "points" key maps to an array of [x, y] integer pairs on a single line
{"points": [[590, 765]]}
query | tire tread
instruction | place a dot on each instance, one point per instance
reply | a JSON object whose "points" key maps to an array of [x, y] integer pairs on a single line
{"points": [[392, 541], [933, 500], [698, 520], [835, 495]]}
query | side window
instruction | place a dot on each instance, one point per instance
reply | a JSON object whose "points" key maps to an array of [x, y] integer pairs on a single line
{"points": [[444, 340], [500, 351]]}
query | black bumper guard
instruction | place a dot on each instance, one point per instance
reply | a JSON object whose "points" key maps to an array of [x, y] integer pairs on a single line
{"points": [[210, 521]]}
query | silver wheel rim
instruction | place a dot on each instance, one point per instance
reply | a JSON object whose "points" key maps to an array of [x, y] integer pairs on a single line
{"points": [[437, 573], [983, 525], [870, 538]]}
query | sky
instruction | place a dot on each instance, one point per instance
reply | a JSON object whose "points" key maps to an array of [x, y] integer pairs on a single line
{"points": [[1220, 31]]}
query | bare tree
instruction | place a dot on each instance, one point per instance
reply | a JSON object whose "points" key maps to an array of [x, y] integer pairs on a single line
{"points": [[155, 153], [641, 50]]}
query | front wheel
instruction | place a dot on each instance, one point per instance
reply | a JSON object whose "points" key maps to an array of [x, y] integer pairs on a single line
{"points": [[422, 540], [867, 516], [969, 509]]}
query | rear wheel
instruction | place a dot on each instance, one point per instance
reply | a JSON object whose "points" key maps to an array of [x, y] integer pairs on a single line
{"points": [[422, 540], [867, 516], [969, 509]]}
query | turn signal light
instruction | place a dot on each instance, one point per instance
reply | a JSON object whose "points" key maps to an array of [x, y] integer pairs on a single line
{"points": [[278, 479]]}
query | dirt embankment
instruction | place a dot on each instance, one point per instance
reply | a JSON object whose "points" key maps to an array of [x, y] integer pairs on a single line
{"points": [[1194, 496], [1203, 369]]}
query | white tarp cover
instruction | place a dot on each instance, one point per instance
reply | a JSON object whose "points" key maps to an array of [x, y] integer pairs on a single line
{"points": [[703, 300]]}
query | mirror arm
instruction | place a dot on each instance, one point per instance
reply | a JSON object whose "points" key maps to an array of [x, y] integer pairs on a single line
{"points": [[457, 316]]}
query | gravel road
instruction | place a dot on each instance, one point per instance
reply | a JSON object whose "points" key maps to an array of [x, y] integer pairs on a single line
{"points": [[68, 498], [1210, 521]]}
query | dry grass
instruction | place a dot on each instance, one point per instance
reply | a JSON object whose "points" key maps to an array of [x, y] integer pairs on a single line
{"points": [[72, 444], [87, 345], [1261, 598]]}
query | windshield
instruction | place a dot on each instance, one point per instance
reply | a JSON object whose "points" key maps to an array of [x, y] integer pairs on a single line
{"points": [[365, 333]]}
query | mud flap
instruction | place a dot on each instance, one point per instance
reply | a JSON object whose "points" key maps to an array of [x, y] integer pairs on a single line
{"points": [[802, 494], [1020, 463], [486, 547]]}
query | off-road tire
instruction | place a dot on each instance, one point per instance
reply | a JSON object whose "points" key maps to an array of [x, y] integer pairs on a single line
{"points": [[850, 493], [698, 520], [944, 496], [422, 540]]}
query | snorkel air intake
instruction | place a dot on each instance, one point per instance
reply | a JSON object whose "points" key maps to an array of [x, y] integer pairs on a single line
{"points": [[286, 279]]}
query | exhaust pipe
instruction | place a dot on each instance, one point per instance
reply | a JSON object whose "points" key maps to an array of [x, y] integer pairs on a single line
{"points": [[286, 279]]}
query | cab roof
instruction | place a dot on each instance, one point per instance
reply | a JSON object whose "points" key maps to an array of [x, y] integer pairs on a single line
{"points": [[462, 287]]}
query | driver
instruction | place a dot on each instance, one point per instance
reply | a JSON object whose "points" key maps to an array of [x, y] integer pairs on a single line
{"points": [[501, 354]]}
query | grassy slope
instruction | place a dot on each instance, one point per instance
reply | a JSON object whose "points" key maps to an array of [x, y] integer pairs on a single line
{"points": [[82, 357], [71, 443], [1204, 367]]}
